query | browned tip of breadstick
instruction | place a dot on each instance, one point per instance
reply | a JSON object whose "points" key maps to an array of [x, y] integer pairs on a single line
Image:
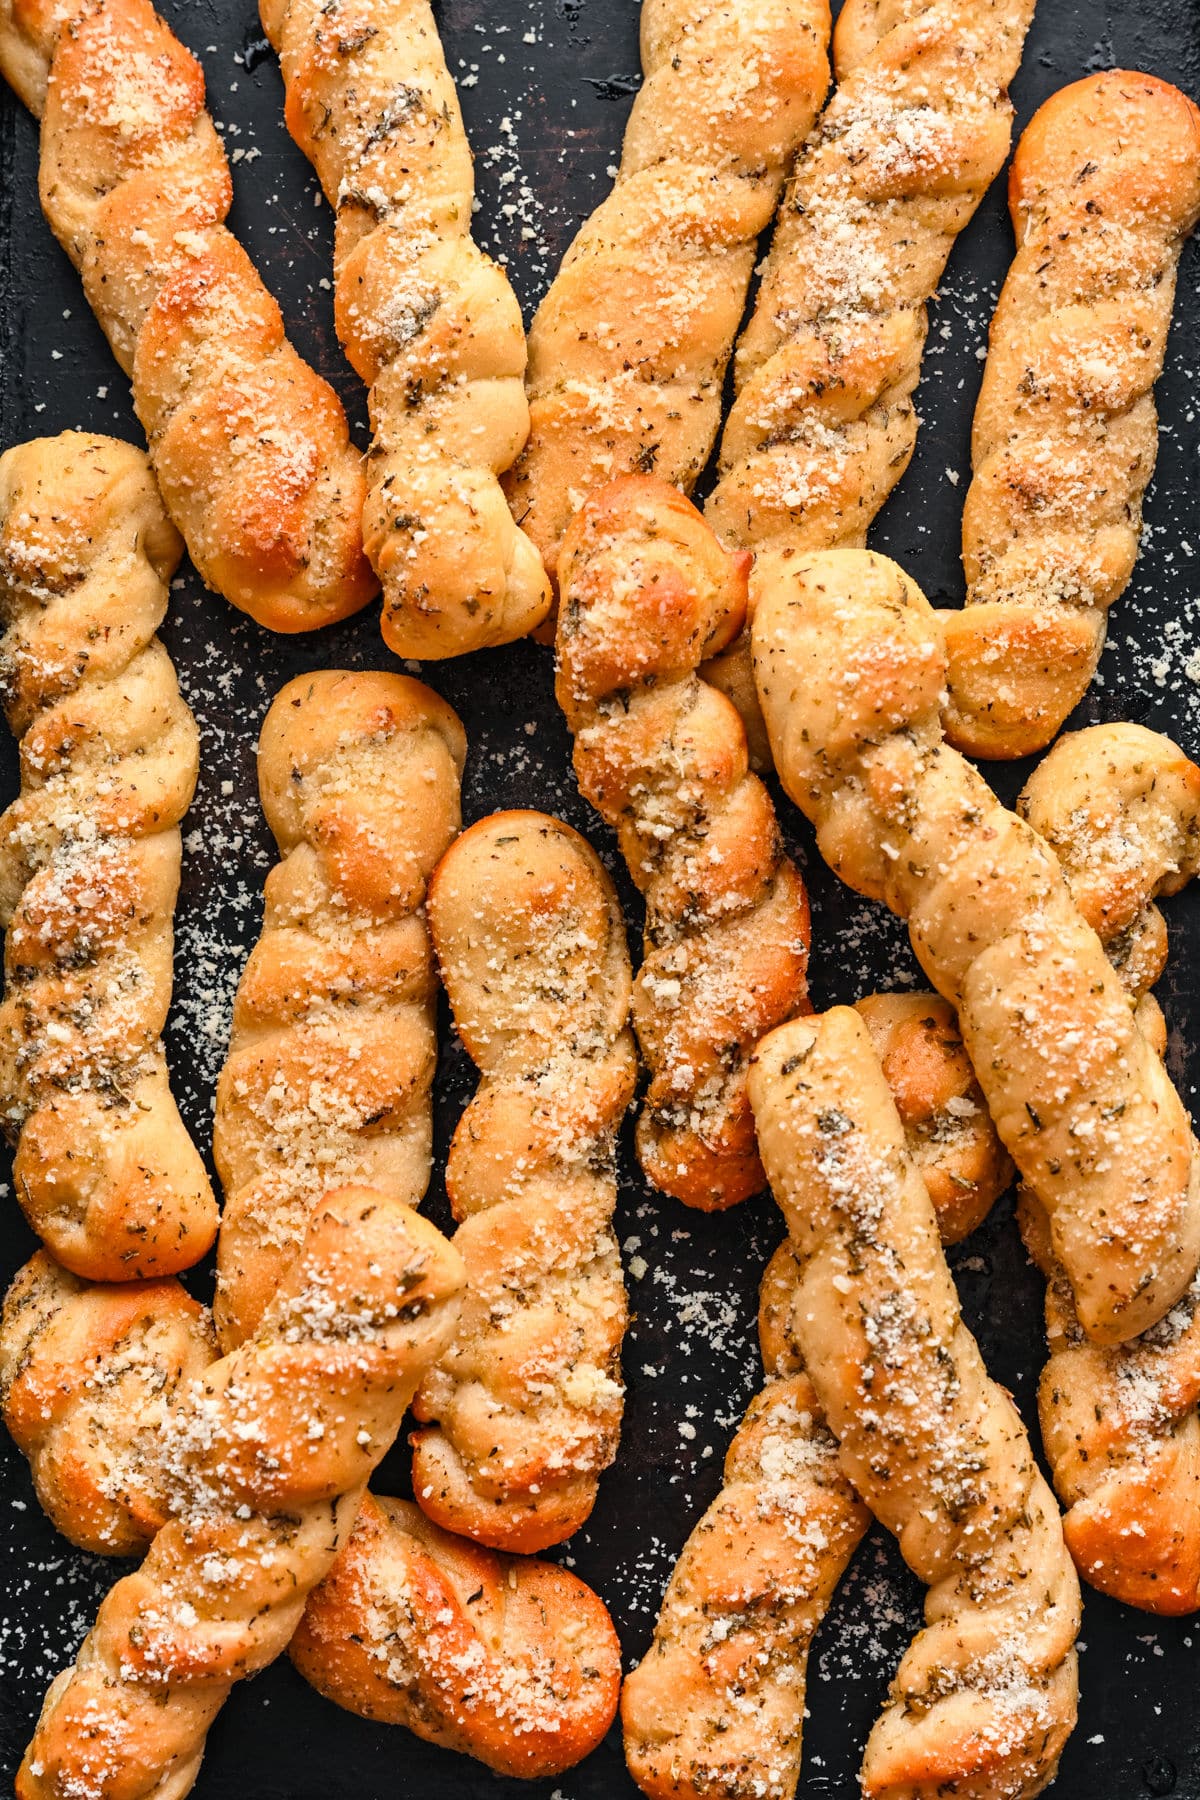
{"points": [[513, 1662]]}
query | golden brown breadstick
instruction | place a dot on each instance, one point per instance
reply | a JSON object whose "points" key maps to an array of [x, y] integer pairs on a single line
{"points": [[717, 1705], [332, 1051], [1105, 187], [628, 350], [89, 1375], [523, 1413], [429, 322], [249, 445], [513, 1662], [272, 1452], [850, 664], [89, 862], [648, 592], [985, 1696], [824, 425]]}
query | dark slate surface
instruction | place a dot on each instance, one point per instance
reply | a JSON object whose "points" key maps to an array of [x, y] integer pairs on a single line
{"points": [[548, 85]]}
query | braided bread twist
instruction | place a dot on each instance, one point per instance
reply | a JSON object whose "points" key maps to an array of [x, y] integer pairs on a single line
{"points": [[271, 1454], [985, 1696], [89, 862], [647, 593], [429, 322], [523, 1413], [628, 350], [850, 664], [249, 445], [823, 425], [332, 1052], [510, 1661], [1105, 186], [717, 1705], [89, 1375]]}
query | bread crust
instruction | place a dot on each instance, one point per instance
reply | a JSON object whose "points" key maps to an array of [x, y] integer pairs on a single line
{"points": [[1103, 191], [89, 862], [985, 1696], [523, 1414], [1079, 1097], [249, 445], [429, 322], [628, 350], [647, 593], [332, 1051]]}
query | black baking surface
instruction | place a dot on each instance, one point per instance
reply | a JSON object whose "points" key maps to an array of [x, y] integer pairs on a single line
{"points": [[545, 89]]}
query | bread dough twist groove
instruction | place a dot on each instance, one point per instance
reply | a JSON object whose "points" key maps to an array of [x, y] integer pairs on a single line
{"points": [[647, 593], [249, 445], [429, 322], [89, 862]]}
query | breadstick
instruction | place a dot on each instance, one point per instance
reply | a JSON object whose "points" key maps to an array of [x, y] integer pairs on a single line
{"points": [[429, 322], [850, 664], [628, 350], [717, 1706], [89, 1375], [523, 1413], [249, 445], [823, 425], [647, 593], [513, 1662], [332, 1051], [985, 1696], [1105, 187], [89, 862], [271, 1457]]}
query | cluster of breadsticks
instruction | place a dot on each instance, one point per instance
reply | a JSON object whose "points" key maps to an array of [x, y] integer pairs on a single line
{"points": [[249, 445], [89, 862], [523, 1413], [1104, 188], [647, 593], [428, 321], [628, 350]]}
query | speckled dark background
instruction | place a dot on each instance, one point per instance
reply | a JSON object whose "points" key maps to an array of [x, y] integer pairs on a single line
{"points": [[546, 92]]}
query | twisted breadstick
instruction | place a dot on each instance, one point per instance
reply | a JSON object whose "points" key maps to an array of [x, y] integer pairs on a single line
{"points": [[332, 1051], [89, 862], [249, 445], [513, 1662], [271, 1456], [89, 1375], [1105, 186], [628, 350], [522, 1415], [824, 425], [647, 593], [429, 322], [850, 664], [986, 1694], [717, 1706]]}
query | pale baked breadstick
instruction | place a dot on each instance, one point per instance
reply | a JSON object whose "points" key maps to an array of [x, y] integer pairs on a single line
{"points": [[249, 445], [89, 1375], [429, 322], [717, 1705], [523, 1413], [1104, 188], [985, 1696], [89, 862], [824, 425], [272, 1452], [628, 350], [510, 1661], [647, 592], [332, 1051], [850, 665]]}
